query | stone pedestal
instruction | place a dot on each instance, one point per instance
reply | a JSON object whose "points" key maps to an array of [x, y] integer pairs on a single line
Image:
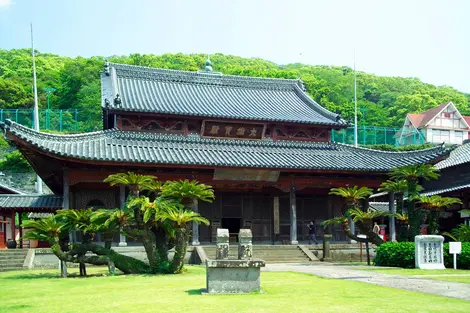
{"points": [[222, 244], [245, 246], [429, 252], [326, 248], [233, 276]]}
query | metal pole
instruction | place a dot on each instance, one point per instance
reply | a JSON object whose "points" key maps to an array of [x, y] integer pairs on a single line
{"points": [[455, 261], [355, 102], [36, 107], [60, 120], [76, 117]]}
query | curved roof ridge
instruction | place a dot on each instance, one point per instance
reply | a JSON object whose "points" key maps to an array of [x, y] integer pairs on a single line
{"points": [[286, 81], [13, 126], [440, 147]]}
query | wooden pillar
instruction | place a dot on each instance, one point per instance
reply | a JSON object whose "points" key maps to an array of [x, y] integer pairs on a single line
{"points": [[13, 226], [66, 206], [20, 221], [293, 214], [122, 203], [195, 241], [391, 220]]}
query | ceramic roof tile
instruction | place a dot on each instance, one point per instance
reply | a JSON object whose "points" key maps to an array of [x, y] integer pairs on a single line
{"points": [[144, 89], [460, 155], [30, 201], [140, 147]]}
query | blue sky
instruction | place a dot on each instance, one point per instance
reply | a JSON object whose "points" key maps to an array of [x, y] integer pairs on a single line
{"points": [[428, 39]]}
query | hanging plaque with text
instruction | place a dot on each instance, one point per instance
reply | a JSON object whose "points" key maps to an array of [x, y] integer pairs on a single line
{"points": [[219, 129], [277, 226]]}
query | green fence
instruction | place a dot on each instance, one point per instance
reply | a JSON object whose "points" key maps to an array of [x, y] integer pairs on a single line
{"points": [[75, 121], [68, 121], [372, 135]]}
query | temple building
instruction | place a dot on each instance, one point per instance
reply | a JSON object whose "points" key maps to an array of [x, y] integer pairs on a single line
{"points": [[263, 144]]}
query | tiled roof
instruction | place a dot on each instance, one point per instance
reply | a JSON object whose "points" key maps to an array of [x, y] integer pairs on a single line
{"points": [[380, 206], [416, 118], [144, 89], [431, 113], [467, 119], [444, 190], [421, 119], [459, 155], [152, 148], [9, 190], [30, 202]]}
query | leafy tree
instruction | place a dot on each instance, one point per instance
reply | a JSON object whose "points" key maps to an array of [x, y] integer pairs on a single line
{"points": [[460, 233]]}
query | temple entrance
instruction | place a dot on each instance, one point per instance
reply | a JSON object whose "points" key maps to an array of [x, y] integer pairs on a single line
{"points": [[233, 225]]}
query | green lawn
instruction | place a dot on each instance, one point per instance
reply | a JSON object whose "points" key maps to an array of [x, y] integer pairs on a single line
{"points": [[44, 292], [458, 276]]}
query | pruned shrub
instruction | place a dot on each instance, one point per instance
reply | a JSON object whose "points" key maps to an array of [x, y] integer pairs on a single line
{"points": [[402, 254]]}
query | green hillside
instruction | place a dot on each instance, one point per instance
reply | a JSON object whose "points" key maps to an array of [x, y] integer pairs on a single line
{"points": [[386, 100]]}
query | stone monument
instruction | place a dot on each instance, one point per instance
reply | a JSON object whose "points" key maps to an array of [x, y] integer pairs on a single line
{"points": [[242, 275], [429, 252]]}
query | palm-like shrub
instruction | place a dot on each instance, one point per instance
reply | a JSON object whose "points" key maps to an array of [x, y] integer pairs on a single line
{"points": [[135, 182], [181, 217], [352, 195], [412, 174], [460, 233], [44, 229], [432, 206], [188, 190]]}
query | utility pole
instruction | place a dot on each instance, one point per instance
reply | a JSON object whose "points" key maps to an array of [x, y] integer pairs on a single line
{"points": [[36, 107], [49, 90], [355, 102]]}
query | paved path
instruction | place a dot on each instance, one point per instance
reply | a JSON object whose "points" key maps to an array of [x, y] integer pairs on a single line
{"points": [[436, 287]]}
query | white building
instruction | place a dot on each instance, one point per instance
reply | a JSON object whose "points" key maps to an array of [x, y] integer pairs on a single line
{"points": [[437, 125]]}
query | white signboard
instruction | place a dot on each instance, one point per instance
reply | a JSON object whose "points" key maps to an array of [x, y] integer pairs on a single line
{"points": [[455, 247], [429, 253]]}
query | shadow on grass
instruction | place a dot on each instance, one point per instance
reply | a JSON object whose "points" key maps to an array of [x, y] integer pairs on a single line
{"points": [[12, 308], [51, 276], [195, 292]]}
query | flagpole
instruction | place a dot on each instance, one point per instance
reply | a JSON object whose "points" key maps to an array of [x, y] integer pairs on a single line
{"points": [[355, 102], [36, 109]]}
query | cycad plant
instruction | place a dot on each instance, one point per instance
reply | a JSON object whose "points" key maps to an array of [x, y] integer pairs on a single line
{"points": [[460, 233], [413, 174], [432, 207], [181, 218]]}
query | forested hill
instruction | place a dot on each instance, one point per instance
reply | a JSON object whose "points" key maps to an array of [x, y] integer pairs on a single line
{"points": [[386, 100]]}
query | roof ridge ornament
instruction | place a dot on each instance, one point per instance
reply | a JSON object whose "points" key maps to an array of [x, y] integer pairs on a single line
{"points": [[208, 67], [117, 101], [106, 67]]}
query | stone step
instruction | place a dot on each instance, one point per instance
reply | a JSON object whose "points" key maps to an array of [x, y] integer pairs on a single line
{"points": [[11, 268], [3, 263]]}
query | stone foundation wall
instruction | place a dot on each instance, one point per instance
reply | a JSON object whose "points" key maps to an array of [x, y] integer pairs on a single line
{"points": [[44, 258], [346, 252]]}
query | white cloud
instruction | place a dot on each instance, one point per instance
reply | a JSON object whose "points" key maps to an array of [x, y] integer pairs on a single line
{"points": [[5, 4]]}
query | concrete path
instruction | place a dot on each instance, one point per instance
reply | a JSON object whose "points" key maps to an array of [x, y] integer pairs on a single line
{"points": [[436, 287]]}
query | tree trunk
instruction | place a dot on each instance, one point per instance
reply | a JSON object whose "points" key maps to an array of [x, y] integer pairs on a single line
{"points": [[182, 237], [414, 215], [367, 252], [161, 242], [148, 241]]}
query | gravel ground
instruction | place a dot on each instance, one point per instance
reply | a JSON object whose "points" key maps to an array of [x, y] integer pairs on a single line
{"points": [[441, 288]]}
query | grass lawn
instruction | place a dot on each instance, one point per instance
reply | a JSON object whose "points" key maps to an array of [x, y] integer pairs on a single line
{"points": [[458, 276], [43, 292]]}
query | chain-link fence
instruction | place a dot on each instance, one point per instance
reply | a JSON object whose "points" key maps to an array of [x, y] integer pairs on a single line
{"points": [[75, 121], [372, 135], [67, 121]]}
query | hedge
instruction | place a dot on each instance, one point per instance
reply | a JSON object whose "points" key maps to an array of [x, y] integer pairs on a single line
{"points": [[402, 254]]}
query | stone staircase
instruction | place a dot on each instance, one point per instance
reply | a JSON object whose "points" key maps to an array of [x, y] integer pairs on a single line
{"points": [[12, 260], [270, 253]]}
